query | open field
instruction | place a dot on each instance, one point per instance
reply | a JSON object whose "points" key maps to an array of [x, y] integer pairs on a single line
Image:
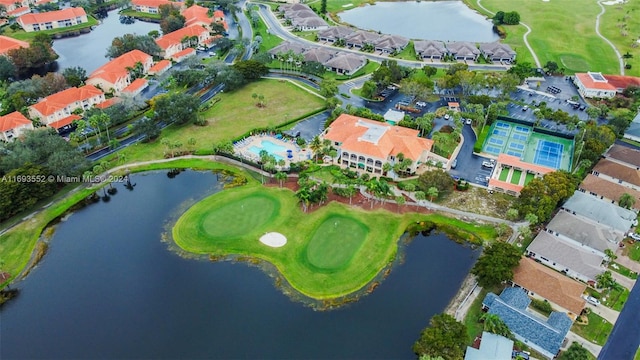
{"points": [[561, 32], [620, 25], [234, 115]]}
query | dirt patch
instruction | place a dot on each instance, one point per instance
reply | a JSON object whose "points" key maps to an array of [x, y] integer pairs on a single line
{"points": [[479, 201]]}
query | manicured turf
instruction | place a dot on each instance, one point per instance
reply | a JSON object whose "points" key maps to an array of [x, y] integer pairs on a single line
{"points": [[611, 23], [528, 178], [503, 174], [232, 220], [515, 177], [597, 330], [335, 242]]}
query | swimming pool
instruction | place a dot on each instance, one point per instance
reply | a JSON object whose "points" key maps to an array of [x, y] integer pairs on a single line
{"points": [[269, 147]]}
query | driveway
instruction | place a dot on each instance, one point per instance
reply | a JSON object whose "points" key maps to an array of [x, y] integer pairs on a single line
{"points": [[311, 126], [591, 347], [606, 313]]}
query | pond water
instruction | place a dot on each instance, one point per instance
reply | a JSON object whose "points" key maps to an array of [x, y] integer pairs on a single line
{"points": [[428, 20], [88, 50], [110, 288]]}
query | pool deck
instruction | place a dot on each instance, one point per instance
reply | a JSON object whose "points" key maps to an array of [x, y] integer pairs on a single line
{"points": [[243, 148]]}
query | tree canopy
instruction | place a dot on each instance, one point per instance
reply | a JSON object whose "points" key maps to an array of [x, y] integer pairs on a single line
{"points": [[178, 108], [123, 44], [436, 178], [251, 70], [445, 337], [541, 196], [496, 264], [38, 54]]}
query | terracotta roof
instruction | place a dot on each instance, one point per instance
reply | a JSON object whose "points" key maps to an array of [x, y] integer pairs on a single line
{"points": [[160, 65], [105, 104], [19, 11], [516, 162], [587, 80], [136, 85], [622, 82], [7, 43], [64, 122], [376, 139], [154, 3], [12, 121], [624, 154], [507, 186], [184, 53], [550, 284], [50, 16], [117, 68], [218, 14], [64, 98], [618, 171], [196, 14], [176, 37], [608, 189]]}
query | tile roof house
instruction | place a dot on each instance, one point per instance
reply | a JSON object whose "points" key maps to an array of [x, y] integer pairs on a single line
{"points": [[135, 88], [199, 15], [153, 6], [366, 145], [607, 190], [53, 19], [321, 55], [19, 11], [603, 212], [492, 347], [543, 335], [346, 63], [13, 125], [616, 172], [334, 33], [56, 110], [160, 67], [621, 82], [174, 42], [391, 43], [578, 262], [513, 163], [114, 76], [540, 281], [624, 154], [285, 47], [184, 54], [497, 52], [594, 85], [16, 7], [429, 49], [585, 232], [360, 38], [7, 44], [463, 50]]}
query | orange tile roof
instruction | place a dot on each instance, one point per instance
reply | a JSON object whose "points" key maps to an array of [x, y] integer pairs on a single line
{"points": [[64, 122], [51, 16], [136, 85], [351, 131], [7, 3], [516, 162], [21, 10], [117, 68], [218, 14], [622, 81], [196, 14], [176, 37], [550, 285], [62, 99], [507, 186], [105, 104], [183, 53], [7, 43], [160, 65], [588, 82], [454, 104], [12, 121]]}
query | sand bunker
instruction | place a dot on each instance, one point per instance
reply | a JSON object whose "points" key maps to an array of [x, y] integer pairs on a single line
{"points": [[273, 239]]}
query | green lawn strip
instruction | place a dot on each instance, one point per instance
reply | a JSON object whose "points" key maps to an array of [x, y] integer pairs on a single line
{"points": [[504, 173], [309, 35], [269, 41], [334, 243], [615, 299], [528, 178], [28, 36], [336, 6], [139, 14], [515, 177], [623, 270], [633, 251], [408, 53], [472, 319], [596, 331]]}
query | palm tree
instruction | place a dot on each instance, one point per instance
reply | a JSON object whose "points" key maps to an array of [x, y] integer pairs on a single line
{"points": [[386, 167], [281, 177], [432, 192], [350, 191], [495, 325], [316, 146], [611, 256], [304, 195]]}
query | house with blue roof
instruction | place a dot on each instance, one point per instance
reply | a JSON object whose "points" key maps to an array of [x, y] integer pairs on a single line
{"points": [[545, 335]]}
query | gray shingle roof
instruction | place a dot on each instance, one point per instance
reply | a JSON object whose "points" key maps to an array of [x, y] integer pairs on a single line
{"points": [[547, 335], [363, 37], [492, 347], [462, 48], [585, 231], [429, 47], [346, 61], [600, 211], [310, 21], [497, 49], [626, 154], [336, 32], [320, 55], [634, 127], [286, 46], [392, 42]]}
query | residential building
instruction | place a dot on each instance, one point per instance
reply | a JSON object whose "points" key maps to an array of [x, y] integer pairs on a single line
{"points": [[309, 23], [497, 52], [177, 41], [539, 281], [624, 154], [334, 33], [579, 262], [621, 82], [16, 7], [52, 19], [492, 347], [366, 145], [57, 110], [360, 38], [593, 85], [545, 337], [160, 67], [602, 212], [512, 185], [153, 6], [584, 232], [184, 54], [390, 44], [114, 75], [429, 49], [318, 54], [346, 63], [13, 125], [463, 50], [608, 190], [619, 173], [7, 44], [199, 15], [285, 47], [135, 88]]}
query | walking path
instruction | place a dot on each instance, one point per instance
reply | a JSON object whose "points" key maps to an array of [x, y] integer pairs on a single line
{"points": [[620, 59], [524, 37], [591, 347]]}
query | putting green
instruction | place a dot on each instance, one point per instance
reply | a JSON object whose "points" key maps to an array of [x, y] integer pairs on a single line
{"points": [[236, 218], [335, 242]]}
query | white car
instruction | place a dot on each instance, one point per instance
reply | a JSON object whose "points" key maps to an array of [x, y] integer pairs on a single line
{"points": [[634, 236], [489, 164], [446, 116], [591, 300], [468, 121]]}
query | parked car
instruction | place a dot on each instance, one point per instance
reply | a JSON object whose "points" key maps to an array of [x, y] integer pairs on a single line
{"points": [[446, 116], [634, 236], [468, 121], [421, 104], [489, 164], [454, 163], [591, 300], [525, 108]]}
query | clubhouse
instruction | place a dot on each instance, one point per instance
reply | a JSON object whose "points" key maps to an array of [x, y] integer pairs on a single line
{"points": [[511, 164]]}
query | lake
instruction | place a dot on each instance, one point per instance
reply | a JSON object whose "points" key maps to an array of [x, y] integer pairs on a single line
{"points": [[109, 287], [428, 20], [88, 50]]}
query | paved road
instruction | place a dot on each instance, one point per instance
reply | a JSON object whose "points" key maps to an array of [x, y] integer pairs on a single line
{"points": [[625, 337], [620, 59]]}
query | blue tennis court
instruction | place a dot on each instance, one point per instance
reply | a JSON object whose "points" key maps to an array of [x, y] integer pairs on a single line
{"points": [[522, 129], [492, 150], [499, 132], [502, 125], [548, 154], [495, 141], [519, 137], [516, 146], [514, 153]]}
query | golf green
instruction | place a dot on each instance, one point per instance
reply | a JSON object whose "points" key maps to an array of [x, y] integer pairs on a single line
{"points": [[235, 219], [335, 242]]}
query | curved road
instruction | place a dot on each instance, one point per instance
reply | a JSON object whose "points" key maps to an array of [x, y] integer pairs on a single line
{"points": [[620, 60], [524, 37], [275, 28]]}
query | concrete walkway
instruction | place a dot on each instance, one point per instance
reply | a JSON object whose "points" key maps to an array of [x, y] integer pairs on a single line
{"points": [[606, 313], [620, 59], [591, 347], [627, 262], [623, 280]]}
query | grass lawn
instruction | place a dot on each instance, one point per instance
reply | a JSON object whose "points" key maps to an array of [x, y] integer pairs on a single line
{"points": [[269, 41], [28, 36], [515, 177], [528, 178], [610, 26], [139, 14], [615, 299], [444, 144], [409, 53], [597, 330], [336, 6], [623, 270], [632, 251], [235, 114], [503, 174], [472, 320], [561, 32]]}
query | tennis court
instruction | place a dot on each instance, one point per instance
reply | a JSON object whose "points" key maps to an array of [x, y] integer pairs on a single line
{"points": [[548, 154]]}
